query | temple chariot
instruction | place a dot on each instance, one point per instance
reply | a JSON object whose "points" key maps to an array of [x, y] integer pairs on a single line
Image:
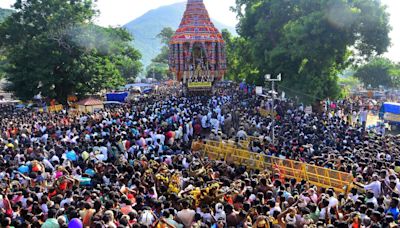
{"points": [[197, 51]]}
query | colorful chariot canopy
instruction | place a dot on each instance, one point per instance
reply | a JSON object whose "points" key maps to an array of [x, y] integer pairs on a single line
{"points": [[196, 25], [197, 43]]}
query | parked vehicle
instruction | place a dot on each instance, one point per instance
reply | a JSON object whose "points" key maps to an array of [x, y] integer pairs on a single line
{"points": [[390, 113]]}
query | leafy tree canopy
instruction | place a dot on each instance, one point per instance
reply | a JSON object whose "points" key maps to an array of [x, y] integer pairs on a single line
{"points": [[158, 68], [158, 71], [3, 63], [4, 13], [238, 58], [165, 35], [53, 49], [311, 41], [379, 72]]}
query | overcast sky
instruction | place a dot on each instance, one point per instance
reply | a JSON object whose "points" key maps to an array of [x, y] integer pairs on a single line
{"points": [[119, 12]]}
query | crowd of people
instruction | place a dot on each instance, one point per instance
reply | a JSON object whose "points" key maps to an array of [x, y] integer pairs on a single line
{"points": [[132, 166]]}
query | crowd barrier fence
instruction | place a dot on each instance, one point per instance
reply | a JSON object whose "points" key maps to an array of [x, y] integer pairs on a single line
{"points": [[315, 175]]}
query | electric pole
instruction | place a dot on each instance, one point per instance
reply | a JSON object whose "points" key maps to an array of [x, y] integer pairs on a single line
{"points": [[268, 78]]}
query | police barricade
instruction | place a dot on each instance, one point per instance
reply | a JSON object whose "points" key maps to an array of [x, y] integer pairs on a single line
{"points": [[213, 143], [225, 145], [287, 169], [214, 153], [328, 178], [248, 142], [229, 151]]}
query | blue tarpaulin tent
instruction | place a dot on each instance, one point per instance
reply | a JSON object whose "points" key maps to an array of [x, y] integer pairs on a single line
{"points": [[390, 113], [119, 97], [392, 107]]}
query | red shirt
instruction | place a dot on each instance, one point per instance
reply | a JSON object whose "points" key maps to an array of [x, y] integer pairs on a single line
{"points": [[169, 135], [197, 129], [127, 144]]}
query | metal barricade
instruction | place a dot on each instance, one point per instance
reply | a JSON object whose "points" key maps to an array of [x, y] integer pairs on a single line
{"points": [[287, 169]]}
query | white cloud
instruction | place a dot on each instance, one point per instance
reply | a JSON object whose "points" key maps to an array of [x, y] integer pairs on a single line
{"points": [[6, 3]]}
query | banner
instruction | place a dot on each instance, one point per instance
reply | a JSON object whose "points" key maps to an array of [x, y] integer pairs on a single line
{"points": [[199, 84]]}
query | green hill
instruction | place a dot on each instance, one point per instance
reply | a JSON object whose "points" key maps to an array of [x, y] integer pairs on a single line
{"points": [[145, 28], [4, 13]]}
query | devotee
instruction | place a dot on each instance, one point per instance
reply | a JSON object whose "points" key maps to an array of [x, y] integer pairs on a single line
{"points": [[133, 166]]}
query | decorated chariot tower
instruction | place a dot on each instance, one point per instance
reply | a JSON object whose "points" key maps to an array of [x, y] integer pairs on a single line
{"points": [[197, 50]]}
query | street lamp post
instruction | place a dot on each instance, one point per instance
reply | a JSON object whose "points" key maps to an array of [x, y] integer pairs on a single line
{"points": [[268, 78]]}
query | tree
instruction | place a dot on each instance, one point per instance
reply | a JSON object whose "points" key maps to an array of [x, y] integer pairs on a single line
{"points": [[128, 63], [158, 71], [3, 62], [4, 13], [395, 75], [165, 35], [53, 49], [160, 62], [379, 72], [238, 58], [309, 40]]}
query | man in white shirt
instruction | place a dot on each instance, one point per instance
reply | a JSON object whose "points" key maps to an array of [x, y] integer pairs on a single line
{"points": [[241, 134], [159, 138], [204, 123], [214, 124], [371, 199], [374, 186], [67, 200], [333, 202], [48, 164], [104, 151], [363, 118], [186, 215]]}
